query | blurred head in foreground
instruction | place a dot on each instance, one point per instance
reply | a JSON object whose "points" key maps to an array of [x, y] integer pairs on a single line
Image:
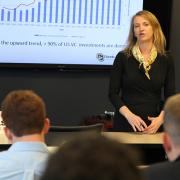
{"points": [[92, 157], [172, 127]]}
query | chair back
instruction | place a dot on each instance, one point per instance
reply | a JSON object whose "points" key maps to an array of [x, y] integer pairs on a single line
{"points": [[59, 135]]}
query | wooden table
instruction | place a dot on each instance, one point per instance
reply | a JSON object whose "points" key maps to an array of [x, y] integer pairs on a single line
{"points": [[135, 138]]}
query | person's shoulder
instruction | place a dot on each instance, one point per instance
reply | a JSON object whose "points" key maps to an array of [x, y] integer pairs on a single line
{"points": [[160, 165], [166, 59], [167, 56], [155, 171], [121, 54], [3, 154], [164, 167], [5, 158], [164, 170], [119, 59]]}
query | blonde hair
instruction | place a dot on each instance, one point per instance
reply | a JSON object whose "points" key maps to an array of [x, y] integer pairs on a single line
{"points": [[158, 35]]}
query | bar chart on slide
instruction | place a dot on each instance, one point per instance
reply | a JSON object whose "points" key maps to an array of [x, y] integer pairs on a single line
{"points": [[64, 31], [73, 12]]}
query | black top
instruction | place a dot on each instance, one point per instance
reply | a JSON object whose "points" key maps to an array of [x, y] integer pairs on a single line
{"points": [[129, 86]]}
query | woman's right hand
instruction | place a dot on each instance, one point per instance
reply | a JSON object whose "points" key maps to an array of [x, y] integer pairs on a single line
{"points": [[135, 121]]}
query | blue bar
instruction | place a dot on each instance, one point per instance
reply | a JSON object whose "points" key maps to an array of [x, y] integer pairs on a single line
{"points": [[56, 16], [2, 14], [8, 16], [62, 12], [20, 16], [32, 17], [45, 9], [91, 12], [97, 9], [80, 6], [74, 11], [102, 14], [119, 13], [68, 11], [114, 11], [108, 11], [50, 11], [39, 12], [26, 15], [14, 16], [85, 12]]}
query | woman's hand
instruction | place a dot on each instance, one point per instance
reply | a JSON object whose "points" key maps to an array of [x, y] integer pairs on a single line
{"points": [[156, 122], [135, 121]]}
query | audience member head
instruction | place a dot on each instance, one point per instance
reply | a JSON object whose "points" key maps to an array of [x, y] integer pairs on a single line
{"points": [[172, 127], [92, 157], [24, 114]]}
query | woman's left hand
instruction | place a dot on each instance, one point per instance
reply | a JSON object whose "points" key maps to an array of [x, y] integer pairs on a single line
{"points": [[156, 122]]}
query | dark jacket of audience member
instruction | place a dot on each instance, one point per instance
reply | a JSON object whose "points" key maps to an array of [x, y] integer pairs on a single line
{"points": [[169, 170]]}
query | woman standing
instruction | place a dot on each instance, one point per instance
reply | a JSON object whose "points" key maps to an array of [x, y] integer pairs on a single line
{"points": [[141, 72]]}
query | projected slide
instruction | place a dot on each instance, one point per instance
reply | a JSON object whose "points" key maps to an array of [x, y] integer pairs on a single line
{"points": [[64, 31]]}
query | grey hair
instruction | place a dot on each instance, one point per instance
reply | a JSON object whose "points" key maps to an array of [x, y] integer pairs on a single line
{"points": [[172, 118]]}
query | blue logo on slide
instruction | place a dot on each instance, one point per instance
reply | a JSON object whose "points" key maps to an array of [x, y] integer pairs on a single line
{"points": [[100, 57]]}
